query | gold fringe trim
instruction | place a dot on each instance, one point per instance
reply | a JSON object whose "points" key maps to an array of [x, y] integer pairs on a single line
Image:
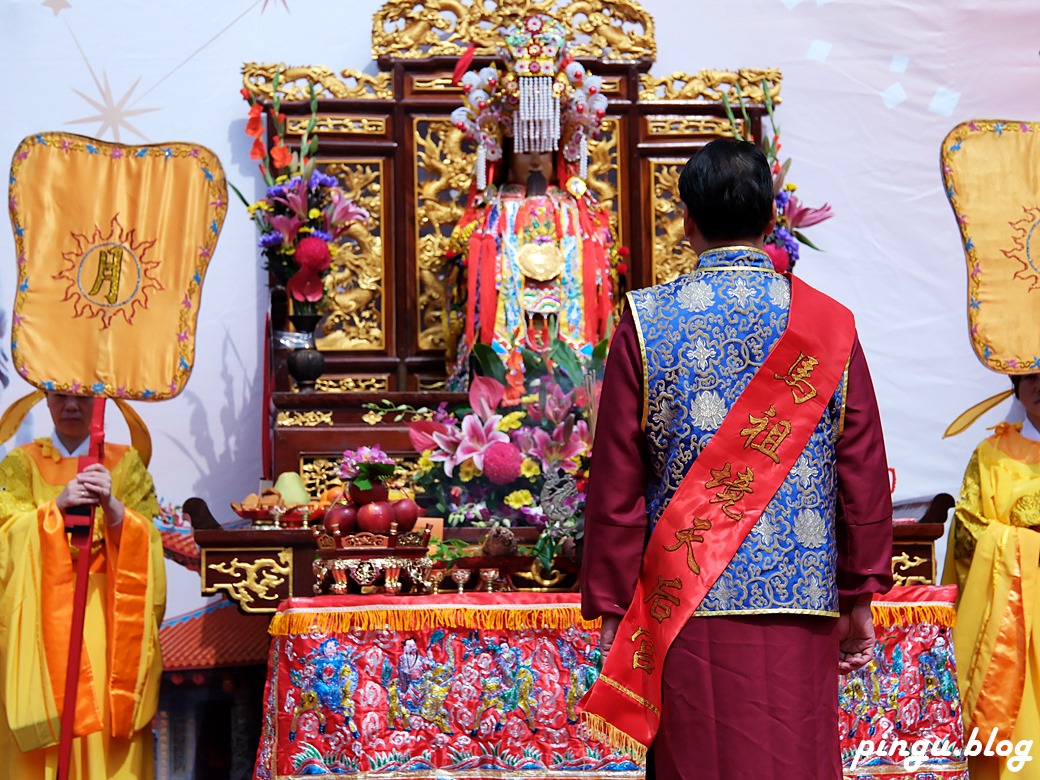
{"points": [[600, 729], [891, 613], [505, 618]]}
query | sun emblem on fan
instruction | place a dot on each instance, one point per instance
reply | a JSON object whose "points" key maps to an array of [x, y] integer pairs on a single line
{"points": [[1026, 238], [107, 275]]}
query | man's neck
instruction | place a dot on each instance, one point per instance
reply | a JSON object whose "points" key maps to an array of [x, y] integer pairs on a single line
{"points": [[70, 445]]}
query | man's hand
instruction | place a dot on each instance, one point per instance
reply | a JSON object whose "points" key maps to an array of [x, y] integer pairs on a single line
{"points": [[607, 632], [856, 636]]}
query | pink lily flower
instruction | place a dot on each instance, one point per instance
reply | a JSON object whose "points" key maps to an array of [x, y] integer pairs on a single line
{"points": [[447, 442], [342, 213], [287, 226], [477, 436], [296, 198], [568, 442], [800, 216]]}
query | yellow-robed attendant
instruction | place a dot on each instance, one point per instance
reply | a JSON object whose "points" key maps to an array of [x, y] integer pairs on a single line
{"points": [[121, 666], [994, 557]]}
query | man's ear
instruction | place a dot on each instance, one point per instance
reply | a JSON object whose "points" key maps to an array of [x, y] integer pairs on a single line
{"points": [[689, 226], [771, 225]]}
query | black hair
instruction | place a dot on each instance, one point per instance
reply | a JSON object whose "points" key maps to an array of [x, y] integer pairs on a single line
{"points": [[1016, 380], [728, 189]]}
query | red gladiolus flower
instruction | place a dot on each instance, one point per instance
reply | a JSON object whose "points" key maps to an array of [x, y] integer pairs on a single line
{"points": [[280, 154], [254, 127], [245, 93], [781, 259], [258, 151], [313, 254]]}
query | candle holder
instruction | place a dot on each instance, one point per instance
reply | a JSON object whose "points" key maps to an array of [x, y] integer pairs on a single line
{"points": [[461, 577], [487, 579]]}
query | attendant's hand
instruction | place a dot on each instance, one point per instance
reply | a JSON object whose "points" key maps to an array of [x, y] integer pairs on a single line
{"points": [[856, 636], [77, 492], [607, 632]]}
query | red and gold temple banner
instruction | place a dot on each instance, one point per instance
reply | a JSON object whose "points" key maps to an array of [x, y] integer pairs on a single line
{"points": [[112, 246]]}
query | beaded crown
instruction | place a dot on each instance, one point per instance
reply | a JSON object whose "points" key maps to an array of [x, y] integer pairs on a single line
{"points": [[545, 100]]}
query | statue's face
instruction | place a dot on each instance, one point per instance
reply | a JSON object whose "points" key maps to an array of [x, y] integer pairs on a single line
{"points": [[523, 164]]}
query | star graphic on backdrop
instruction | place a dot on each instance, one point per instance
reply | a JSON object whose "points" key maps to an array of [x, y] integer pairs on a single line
{"points": [[283, 2], [56, 5], [113, 115]]}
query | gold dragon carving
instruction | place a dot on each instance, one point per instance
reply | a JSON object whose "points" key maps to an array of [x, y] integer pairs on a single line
{"points": [[257, 581], [604, 177], [294, 82], [711, 85], [617, 30], [443, 171], [671, 257], [354, 285]]}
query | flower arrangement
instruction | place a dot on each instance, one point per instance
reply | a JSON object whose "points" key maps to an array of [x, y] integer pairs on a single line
{"points": [[304, 213], [488, 464], [783, 244], [366, 466]]}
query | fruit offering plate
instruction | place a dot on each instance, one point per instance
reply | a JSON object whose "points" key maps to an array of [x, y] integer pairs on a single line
{"points": [[300, 516]]}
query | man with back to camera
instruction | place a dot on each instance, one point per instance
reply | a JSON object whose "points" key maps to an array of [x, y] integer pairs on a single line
{"points": [[739, 512]]}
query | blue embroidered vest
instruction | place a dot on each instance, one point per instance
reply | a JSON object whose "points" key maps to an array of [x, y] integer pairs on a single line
{"points": [[703, 337]]}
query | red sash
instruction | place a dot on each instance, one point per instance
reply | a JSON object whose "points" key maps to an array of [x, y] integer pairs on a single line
{"points": [[714, 509]]}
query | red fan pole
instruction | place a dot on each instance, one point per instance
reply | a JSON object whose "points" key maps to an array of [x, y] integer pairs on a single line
{"points": [[79, 522]]}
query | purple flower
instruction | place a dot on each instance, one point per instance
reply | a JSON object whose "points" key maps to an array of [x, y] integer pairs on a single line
{"points": [[272, 239], [319, 179], [326, 237], [276, 192]]}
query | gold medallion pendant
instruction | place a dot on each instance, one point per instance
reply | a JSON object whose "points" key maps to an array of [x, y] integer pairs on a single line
{"points": [[541, 262]]}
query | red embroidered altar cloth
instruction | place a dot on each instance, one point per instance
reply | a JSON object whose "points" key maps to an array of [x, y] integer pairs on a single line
{"points": [[481, 685]]}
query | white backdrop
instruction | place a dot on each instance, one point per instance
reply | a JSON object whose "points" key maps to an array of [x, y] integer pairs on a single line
{"points": [[869, 91]]}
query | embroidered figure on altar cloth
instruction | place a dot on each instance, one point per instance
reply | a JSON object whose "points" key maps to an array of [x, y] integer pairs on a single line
{"points": [[327, 681], [534, 249]]}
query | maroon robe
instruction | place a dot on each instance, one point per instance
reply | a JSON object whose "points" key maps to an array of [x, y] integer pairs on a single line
{"points": [[753, 696]]}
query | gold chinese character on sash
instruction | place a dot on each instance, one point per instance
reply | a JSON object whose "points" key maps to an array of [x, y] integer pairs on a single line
{"points": [[797, 378], [689, 536], [765, 435], [643, 657], [733, 488], [661, 609]]}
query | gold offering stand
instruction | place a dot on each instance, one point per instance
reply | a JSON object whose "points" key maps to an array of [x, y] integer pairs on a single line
{"points": [[362, 562]]}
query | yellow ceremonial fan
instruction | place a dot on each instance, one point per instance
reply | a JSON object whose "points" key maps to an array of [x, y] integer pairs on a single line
{"points": [[112, 246], [991, 171]]}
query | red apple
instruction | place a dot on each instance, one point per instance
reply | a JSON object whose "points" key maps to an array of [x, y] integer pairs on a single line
{"points": [[341, 517], [406, 512], [378, 492], [375, 517]]}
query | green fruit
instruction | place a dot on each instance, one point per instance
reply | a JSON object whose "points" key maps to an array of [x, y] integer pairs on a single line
{"points": [[290, 485]]}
